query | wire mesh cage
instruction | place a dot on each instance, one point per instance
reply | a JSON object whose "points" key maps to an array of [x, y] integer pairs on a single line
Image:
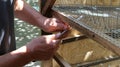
{"points": [[99, 16], [102, 17], [90, 2]]}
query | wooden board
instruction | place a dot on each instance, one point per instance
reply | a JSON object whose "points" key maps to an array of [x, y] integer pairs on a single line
{"points": [[82, 51]]}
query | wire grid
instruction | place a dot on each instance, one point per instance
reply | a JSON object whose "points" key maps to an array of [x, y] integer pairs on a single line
{"points": [[89, 2], [101, 19]]}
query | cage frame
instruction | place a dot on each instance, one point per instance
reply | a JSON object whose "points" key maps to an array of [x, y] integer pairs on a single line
{"points": [[46, 10]]}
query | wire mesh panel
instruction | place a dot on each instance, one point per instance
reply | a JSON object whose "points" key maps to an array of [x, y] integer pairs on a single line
{"points": [[100, 16], [89, 2]]}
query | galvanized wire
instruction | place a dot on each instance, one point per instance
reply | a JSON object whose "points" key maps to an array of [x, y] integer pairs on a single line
{"points": [[96, 16]]}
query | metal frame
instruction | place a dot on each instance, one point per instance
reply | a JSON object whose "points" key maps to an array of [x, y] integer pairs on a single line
{"points": [[46, 6], [72, 39], [46, 11], [93, 63], [73, 23], [61, 61]]}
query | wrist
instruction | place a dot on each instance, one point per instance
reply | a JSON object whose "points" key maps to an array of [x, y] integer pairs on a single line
{"points": [[22, 53], [42, 22]]}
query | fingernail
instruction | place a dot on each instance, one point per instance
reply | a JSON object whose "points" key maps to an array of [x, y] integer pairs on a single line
{"points": [[67, 27], [58, 35], [56, 41]]}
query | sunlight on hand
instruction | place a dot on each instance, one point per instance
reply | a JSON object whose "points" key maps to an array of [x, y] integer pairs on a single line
{"points": [[19, 5]]}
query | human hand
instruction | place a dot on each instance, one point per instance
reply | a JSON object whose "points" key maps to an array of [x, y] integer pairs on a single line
{"points": [[53, 25], [43, 47]]}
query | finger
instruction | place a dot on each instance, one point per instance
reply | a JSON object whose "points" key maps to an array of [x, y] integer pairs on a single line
{"points": [[56, 44], [57, 27], [67, 26], [50, 38], [59, 35], [62, 34], [56, 36], [61, 26]]}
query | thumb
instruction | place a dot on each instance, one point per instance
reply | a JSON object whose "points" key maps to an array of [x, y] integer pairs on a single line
{"points": [[56, 44], [62, 34]]}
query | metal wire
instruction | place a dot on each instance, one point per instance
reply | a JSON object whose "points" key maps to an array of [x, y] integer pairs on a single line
{"points": [[100, 15]]}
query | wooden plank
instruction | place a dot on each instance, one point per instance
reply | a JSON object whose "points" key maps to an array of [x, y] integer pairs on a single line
{"points": [[61, 61], [83, 50], [89, 33], [47, 63], [47, 7]]}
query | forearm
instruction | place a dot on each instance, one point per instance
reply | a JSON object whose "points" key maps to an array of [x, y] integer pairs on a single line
{"points": [[24, 12], [28, 14], [17, 58]]}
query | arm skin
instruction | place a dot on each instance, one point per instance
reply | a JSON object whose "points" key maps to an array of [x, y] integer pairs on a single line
{"points": [[17, 58], [41, 48], [30, 15]]}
